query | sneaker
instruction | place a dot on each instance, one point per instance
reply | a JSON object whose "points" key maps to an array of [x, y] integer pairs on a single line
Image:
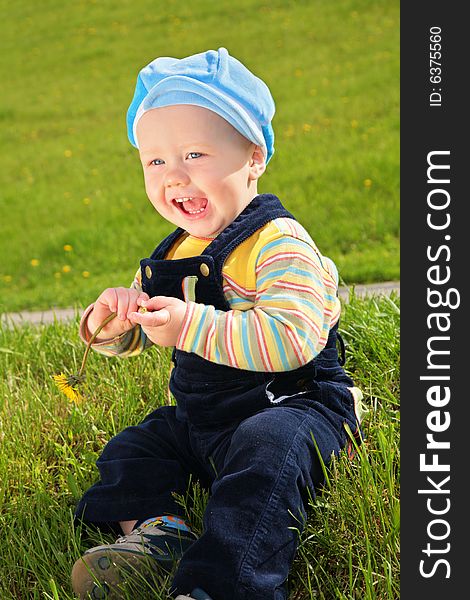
{"points": [[100, 571], [196, 594]]}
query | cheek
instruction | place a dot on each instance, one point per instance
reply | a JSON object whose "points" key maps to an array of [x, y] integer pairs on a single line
{"points": [[152, 185]]}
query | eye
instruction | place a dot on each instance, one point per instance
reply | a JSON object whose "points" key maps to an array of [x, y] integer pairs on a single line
{"points": [[198, 154], [156, 161]]}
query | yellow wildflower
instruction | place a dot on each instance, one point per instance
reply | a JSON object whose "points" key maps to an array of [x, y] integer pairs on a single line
{"points": [[68, 384], [86, 274], [367, 183], [34, 262], [66, 268], [68, 248]]}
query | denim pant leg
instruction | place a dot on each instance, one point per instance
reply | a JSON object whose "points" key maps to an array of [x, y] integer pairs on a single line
{"points": [[259, 495], [139, 469]]}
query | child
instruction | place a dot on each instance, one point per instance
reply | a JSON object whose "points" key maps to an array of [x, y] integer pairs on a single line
{"points": [[249, 304]]}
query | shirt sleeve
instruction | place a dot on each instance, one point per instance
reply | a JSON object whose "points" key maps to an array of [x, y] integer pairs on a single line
{"points": [[295, 306], [130, 343]]}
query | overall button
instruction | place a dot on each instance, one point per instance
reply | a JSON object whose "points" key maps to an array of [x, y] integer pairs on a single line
{"points": [[148, 272], [204, 269]]}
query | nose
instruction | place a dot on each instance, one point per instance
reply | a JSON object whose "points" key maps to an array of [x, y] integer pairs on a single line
{"points": [[176, 176]]}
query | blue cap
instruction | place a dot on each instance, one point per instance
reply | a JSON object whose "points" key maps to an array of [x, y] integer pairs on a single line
{"points": [[213, 80]]}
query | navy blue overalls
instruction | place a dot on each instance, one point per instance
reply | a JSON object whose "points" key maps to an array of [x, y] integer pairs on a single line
{"points": [[246, 435]]}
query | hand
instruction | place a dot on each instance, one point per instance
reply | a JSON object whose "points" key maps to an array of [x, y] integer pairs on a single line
{"points": [[163, 321], [115, 300]]}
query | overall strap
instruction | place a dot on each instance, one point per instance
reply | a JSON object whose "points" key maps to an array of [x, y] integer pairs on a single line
{"points": [[161, 250], [261, 210]]}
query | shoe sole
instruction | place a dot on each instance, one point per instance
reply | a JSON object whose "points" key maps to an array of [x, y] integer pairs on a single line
{"points": [[100, 574]]}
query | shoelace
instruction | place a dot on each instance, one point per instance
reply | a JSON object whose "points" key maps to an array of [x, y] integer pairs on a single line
{"points": [[138, 535]]}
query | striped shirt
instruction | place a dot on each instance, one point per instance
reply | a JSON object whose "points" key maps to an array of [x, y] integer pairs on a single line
{"points": [[283, 301]]}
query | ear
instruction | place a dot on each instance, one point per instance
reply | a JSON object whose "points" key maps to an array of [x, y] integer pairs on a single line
{"points": [[257, 164]]}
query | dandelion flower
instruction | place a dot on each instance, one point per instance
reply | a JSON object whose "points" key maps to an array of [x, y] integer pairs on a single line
{"points": [[66, 268], [289, 132], [86, 274], [68, 384], [367, 183], [68, 153], [34, 262], [68, 248]]}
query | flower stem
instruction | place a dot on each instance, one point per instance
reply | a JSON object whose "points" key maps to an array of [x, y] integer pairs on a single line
{"points": [[108, 319]]}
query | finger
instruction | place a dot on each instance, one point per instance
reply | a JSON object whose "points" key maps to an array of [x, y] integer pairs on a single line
{"points": [[156, 318], [135, 300], [142, 297], [123, 303], [157, 302], [109, 299]]}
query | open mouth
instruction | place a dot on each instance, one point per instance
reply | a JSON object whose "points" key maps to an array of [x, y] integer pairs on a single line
{"points": [[191, 206]]}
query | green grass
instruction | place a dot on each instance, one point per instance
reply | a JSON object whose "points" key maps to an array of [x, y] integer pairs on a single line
{"points": [[70, 177], [349, 547]]}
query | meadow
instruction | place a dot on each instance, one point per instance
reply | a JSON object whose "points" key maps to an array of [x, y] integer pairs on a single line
{"points": [[349, 549], [74, 215]]}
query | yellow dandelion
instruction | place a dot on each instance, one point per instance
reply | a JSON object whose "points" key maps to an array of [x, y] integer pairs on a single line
{"points": [[68, 153], [68, 248], [367, 183], [86, 274], [86, 201], [66, 269], [306, 127], [68, 384], [34, 262], [289, 132]]}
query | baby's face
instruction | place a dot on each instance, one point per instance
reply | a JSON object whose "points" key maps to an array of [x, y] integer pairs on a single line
{"points": [[199, 171]]}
